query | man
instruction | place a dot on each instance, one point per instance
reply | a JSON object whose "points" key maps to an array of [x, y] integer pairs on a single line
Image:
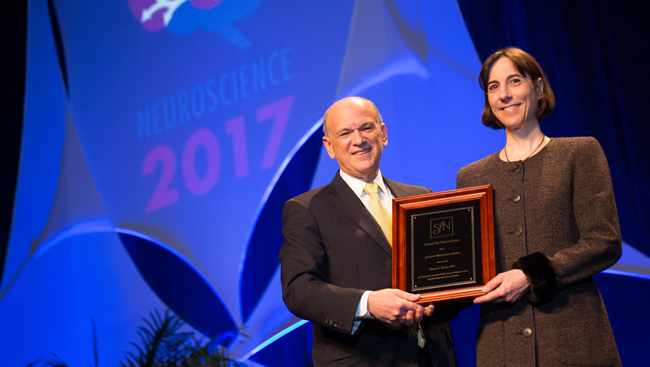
{"points": [[336, 258]]}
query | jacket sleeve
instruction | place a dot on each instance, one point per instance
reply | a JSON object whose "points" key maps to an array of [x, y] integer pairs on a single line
{"points": [[304, 273], [599, 243]]}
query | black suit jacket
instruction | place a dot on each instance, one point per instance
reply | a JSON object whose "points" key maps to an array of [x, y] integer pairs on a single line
{"points": [[333, 251]]}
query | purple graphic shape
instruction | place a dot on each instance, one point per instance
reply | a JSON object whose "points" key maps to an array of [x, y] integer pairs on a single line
{"points": [[140, 9]]}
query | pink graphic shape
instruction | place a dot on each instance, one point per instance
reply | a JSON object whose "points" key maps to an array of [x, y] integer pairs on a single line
{"points": [[205, 4], [162, 195], [280, 110], [196, 185]]}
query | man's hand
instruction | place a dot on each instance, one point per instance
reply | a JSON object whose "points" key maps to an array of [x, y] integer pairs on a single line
{"points": [[396, 307], [505, 287]]}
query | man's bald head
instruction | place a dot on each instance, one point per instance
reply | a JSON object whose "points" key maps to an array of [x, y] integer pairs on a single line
{"points": [[340, 102]]}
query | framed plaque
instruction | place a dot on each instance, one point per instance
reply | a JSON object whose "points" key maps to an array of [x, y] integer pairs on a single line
{"points": [[443, 244]]}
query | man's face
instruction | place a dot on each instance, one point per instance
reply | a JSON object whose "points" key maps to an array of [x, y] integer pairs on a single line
{"points": [[355, 138]]}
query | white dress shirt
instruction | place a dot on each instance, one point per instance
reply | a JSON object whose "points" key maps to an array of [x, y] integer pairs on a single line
{"points": [[386, 199]]}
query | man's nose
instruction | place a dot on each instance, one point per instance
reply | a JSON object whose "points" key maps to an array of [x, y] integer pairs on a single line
{"points": [[357, 139]]}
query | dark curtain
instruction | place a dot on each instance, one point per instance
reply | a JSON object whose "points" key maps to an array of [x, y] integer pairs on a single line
{"points": [[595, 54], [13, 24]]}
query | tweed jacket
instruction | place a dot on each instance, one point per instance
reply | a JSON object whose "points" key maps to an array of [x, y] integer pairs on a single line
{"points": [[555, 219], [333, 251]]}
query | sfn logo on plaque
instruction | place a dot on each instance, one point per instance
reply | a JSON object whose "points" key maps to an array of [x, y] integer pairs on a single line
{"points": [[442, 227]]}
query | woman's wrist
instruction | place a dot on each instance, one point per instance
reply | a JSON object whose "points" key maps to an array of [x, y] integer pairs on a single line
{"points": [[541, 277]]}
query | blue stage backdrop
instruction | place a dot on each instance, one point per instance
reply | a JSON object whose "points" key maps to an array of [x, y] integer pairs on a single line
{"points": [[162, 137]]}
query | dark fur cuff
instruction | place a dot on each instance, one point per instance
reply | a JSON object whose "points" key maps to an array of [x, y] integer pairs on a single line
{"points": [[541, 275]]}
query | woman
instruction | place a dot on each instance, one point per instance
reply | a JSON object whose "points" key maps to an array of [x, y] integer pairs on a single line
{"points": [[555, 227]]}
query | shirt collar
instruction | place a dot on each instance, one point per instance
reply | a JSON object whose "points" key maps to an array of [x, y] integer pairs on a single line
{"points": [[357, 185]]}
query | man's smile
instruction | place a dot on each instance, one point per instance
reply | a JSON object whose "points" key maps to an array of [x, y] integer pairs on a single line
{"points": [[362, 152]]}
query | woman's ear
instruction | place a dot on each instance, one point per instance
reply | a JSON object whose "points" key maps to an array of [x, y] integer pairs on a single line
{"points": [[540, 87]]}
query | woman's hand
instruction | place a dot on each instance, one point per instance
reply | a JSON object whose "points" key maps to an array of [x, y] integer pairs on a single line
{"points": [[505, 287]]}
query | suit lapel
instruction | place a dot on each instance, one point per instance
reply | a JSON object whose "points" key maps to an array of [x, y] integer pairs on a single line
{"points": [[346, 200], [395, 188]]}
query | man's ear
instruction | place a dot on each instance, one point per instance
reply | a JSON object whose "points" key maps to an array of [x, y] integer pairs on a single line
{"points": [[385, 138], [328, 145]]}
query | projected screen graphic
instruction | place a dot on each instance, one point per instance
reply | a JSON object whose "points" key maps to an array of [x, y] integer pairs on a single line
{"points": [[162, 138]]}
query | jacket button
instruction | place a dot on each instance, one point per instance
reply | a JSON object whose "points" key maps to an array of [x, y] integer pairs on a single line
{"points": [[527, 332], [519, 231], [517, 169], [516, 198], [414, 332]]}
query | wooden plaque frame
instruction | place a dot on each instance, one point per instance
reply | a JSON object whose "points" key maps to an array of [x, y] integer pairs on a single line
{"points": [[440, 201]]}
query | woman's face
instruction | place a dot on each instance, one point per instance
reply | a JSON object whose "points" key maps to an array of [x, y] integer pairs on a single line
{"points": [[513, 97]]}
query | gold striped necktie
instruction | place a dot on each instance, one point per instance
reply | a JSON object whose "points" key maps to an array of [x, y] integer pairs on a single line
{"points": [[382, 216]]}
